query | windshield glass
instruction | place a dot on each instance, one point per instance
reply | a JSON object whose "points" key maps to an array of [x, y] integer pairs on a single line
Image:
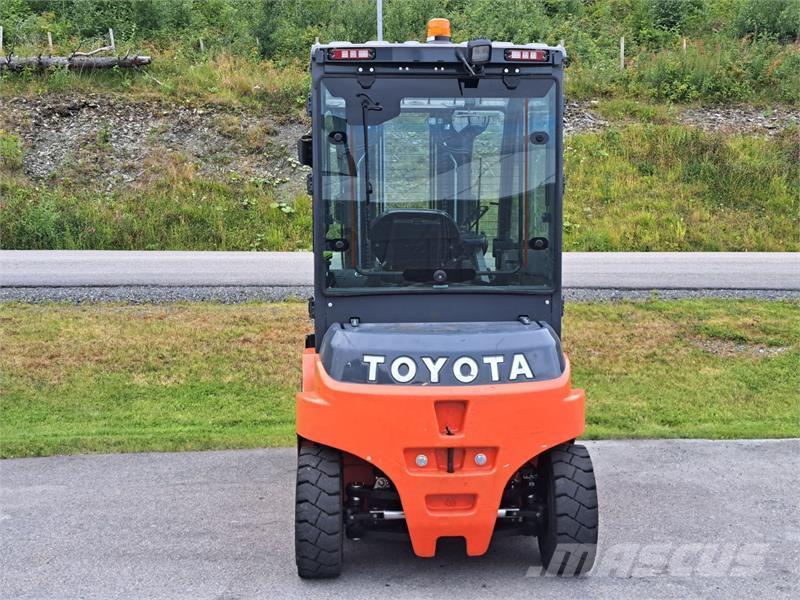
{"points": [[457, 188]]}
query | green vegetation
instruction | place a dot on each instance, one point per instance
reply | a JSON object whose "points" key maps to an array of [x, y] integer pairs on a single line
{"points": [[670, 188], [632, 188], [10, 152], [216, 78], [124, 378], [180, 213], [710, 368], [738, 50], [116, 378], [646, 183]]}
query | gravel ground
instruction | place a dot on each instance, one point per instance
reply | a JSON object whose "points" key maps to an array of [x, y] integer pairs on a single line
{"points": [[235, 294], [106, 142], [579, 118], [153, 294], [110, 142], [741, 119], [599, 294]]}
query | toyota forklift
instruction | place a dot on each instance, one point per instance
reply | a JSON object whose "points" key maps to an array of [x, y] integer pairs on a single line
{"points": [[436, 400]]}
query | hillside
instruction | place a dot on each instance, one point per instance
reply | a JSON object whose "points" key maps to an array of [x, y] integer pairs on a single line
{"points": [[110, 172], [693, 149]]}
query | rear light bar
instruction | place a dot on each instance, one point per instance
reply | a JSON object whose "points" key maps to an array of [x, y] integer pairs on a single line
{"points": [[528, 55], [351, 53]]}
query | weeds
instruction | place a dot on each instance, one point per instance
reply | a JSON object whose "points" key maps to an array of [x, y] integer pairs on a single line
{"points": [[717, 72], [217, 78], [670, 188], [10, 152], [182, 212], [626, 109]]}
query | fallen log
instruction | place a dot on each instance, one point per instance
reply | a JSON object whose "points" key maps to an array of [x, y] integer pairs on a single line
{"points": [[74, 63]]}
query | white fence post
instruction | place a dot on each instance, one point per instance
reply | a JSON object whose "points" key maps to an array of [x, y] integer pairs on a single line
{"points": [[379, 8], [622, 53]]}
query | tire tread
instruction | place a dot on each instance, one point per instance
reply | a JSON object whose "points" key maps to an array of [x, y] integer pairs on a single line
{"points": [[318, 513], [574, 504]]}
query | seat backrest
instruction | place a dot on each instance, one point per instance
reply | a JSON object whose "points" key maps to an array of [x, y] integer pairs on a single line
{"points": [[415, 239]]}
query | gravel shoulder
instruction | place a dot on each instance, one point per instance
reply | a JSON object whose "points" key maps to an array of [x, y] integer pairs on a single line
{"points": [[236, 294]]}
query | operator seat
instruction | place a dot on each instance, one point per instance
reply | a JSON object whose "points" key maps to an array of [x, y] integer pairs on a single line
{"points": [[405, 239]]}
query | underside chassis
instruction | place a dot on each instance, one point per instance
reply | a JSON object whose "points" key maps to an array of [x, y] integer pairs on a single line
{"points": [[373, 507], [552, 497]]}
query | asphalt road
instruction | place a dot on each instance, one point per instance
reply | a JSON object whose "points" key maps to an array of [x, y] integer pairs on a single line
{"points": [[612, 270], [679, 519]]}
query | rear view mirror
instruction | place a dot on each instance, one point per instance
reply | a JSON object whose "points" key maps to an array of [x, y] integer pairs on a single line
{"points": [[304, 153]]}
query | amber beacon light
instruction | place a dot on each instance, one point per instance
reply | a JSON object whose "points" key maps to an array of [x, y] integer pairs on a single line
{"points": [[438, 30]]}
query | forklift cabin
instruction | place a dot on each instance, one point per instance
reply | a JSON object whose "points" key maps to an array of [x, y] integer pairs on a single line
{"points": [[436, 400]]}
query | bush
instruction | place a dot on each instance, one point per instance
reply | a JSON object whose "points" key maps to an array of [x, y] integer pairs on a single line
{"points": [[518, 21], [735, 52], [774, 19], [674, 14], [719, 72]]}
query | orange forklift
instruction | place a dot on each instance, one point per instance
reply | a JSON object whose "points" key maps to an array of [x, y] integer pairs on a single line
{"points": [[436, 400]]}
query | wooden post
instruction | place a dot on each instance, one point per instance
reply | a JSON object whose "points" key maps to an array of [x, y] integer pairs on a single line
{"points": [[622, 53], [111, 39], [202, 46], [50, 43], [683, 44]]}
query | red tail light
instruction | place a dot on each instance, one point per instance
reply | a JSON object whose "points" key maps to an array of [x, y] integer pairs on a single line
{"points": [[527, 55], [351, 53]]}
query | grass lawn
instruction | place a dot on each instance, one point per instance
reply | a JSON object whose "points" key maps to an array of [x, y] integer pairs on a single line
{"points": [[118, 378]]}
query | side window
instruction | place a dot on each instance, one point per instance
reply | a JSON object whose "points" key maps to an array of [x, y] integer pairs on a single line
{"points": [[541, 165], [335, 177], [541, 180]]}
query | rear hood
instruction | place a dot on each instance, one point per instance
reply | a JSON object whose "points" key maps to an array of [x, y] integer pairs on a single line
{"points": [[442, 353]]}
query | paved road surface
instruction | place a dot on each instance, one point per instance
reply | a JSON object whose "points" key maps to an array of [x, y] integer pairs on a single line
{"points": [[614, 270], [679, 519]]}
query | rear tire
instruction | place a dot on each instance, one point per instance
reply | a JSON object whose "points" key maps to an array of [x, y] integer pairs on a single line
{"points": [[568, 533], [319, 524]]}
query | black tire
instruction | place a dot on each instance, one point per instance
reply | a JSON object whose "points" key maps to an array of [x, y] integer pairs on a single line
{"points": [[319, 525], [568, 534]]}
